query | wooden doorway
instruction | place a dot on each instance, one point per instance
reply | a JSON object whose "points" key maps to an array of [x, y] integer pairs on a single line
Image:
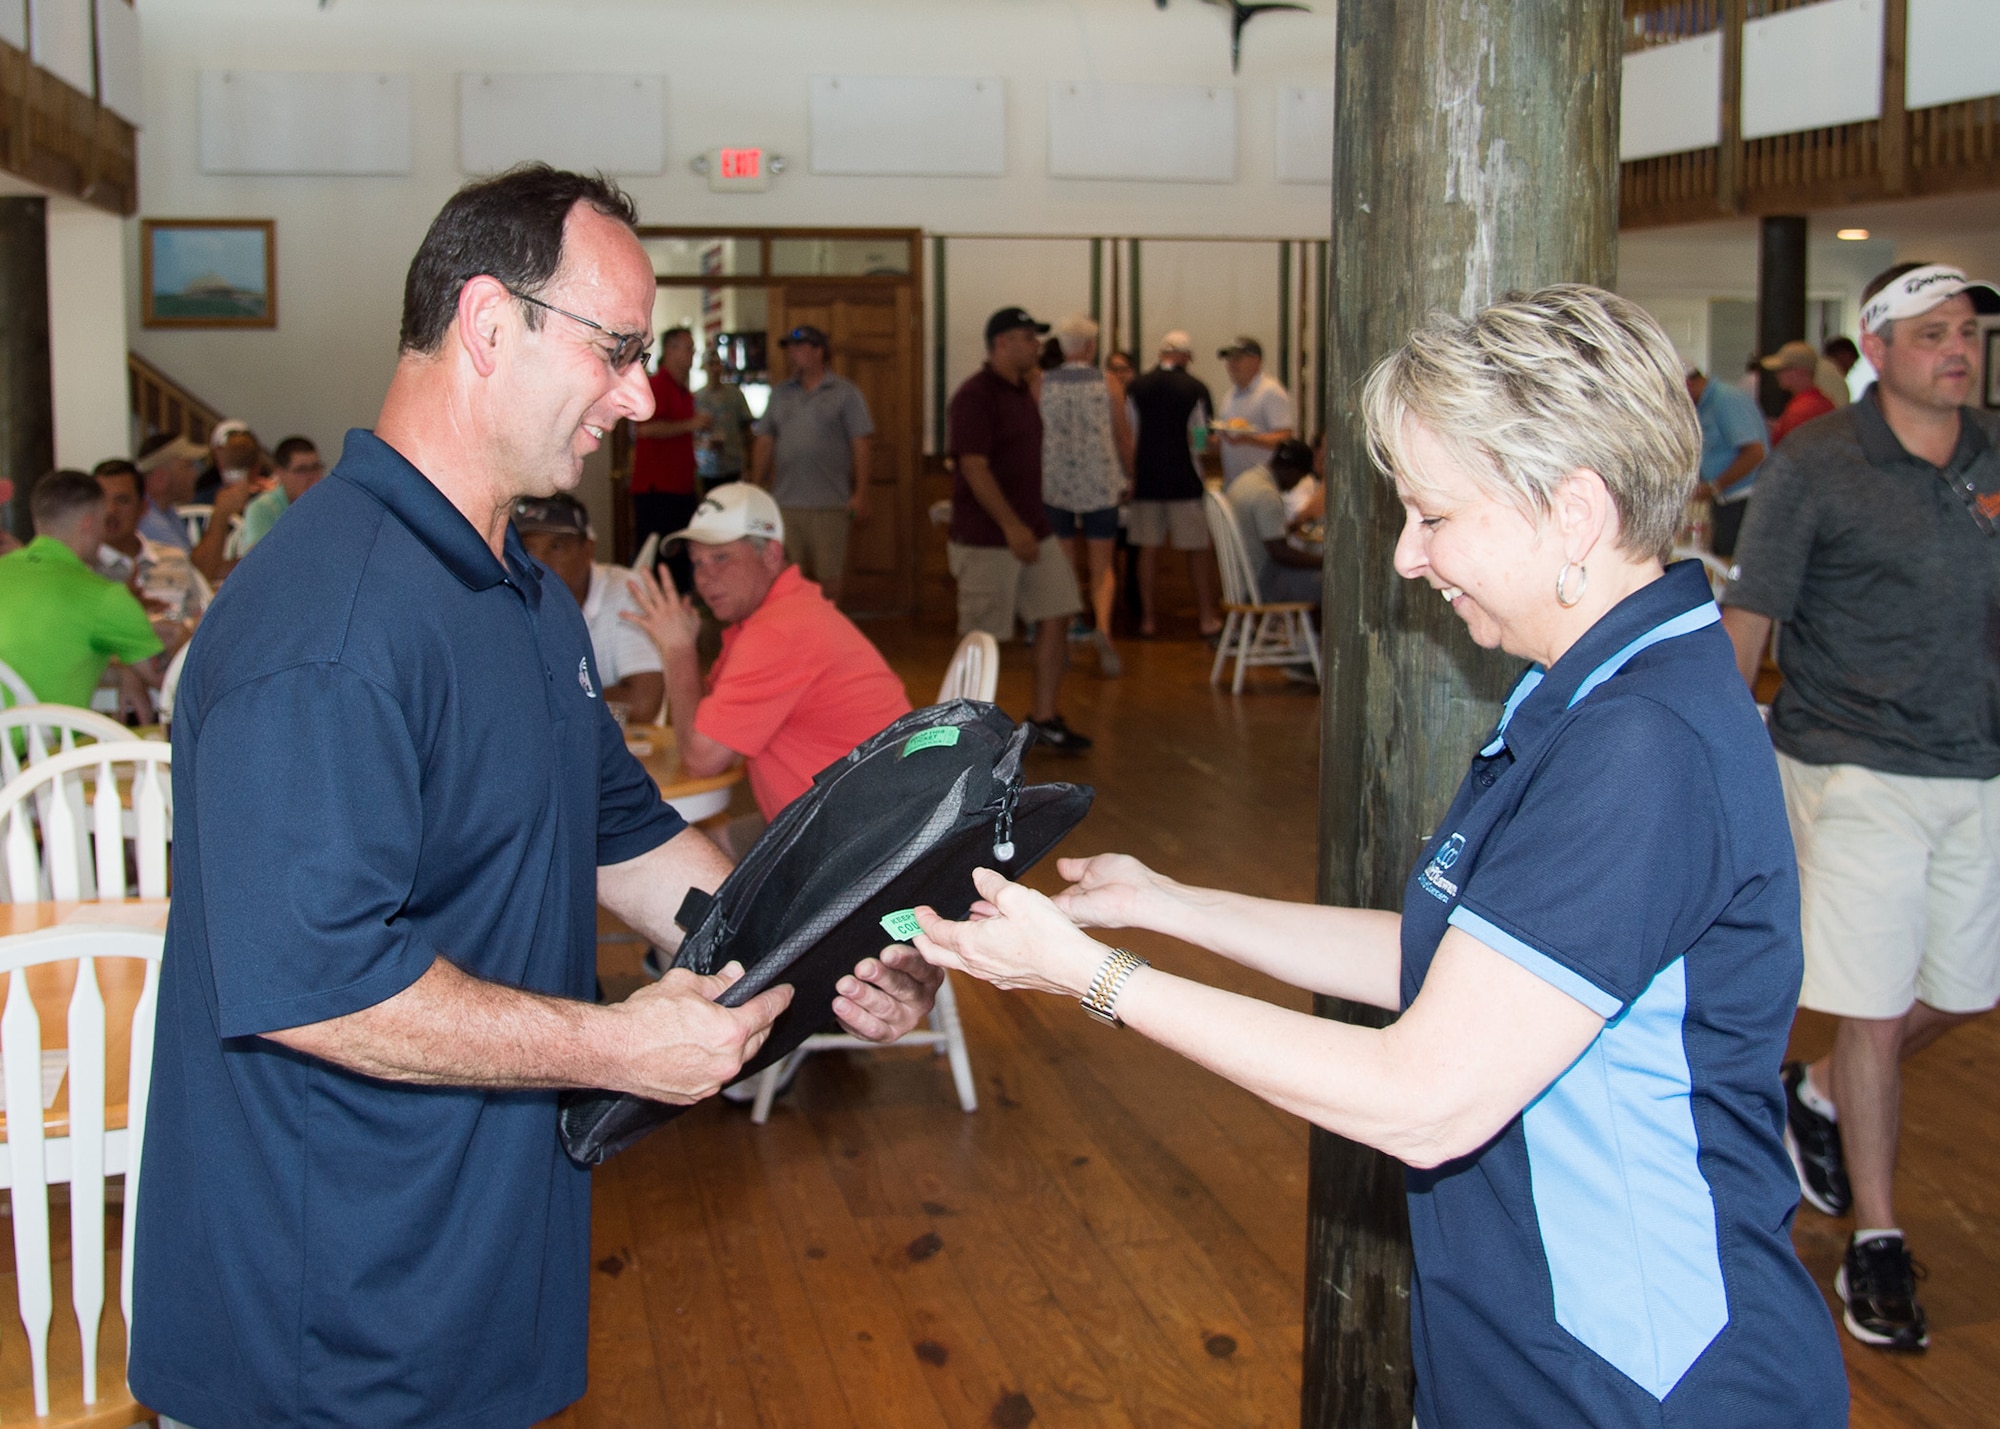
{"points": [[863, 288]]}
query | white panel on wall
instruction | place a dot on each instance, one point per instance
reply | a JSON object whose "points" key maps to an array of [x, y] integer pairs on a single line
{"points": [[863, 124], [1812, 67], [59, 39], [1142, 131], [304, 122], [118, 88], [1672, 98], [1954, 52], [616, 123], [1305, 136], [14, 23]]}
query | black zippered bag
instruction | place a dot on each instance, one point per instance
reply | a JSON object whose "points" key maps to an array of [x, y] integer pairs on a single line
{"points": [[902, 820]]}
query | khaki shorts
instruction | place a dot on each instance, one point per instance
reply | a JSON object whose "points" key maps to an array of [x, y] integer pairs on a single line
{"points": [[994, 587], [1156, 523], [1899, 889], [816, 540]]}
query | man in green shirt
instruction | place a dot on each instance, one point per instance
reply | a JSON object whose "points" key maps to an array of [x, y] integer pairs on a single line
{"points": [[61, 622], [299, 470]]}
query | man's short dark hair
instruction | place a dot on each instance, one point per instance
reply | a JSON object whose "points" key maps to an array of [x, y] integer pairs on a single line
{"points": [[1839, 347], [508, 228], [291, 447], [667, 335], [118, 466], [59, 496]]}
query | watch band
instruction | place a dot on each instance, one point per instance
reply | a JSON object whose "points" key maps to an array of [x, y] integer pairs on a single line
{"points": [[1101, 1001]]}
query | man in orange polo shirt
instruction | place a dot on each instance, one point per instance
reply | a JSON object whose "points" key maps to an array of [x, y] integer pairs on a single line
{"points": [[796, 686]]}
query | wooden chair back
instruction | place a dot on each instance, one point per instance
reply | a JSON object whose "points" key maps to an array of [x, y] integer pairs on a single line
{"points": [[974, 671], [76, 801]]}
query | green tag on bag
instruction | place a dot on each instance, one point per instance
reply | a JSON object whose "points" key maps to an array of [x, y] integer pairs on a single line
{"points": [[942, 736], [901, 926]]}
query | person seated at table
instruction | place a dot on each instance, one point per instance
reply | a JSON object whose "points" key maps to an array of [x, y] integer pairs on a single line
{"points": [[61, 622], [796, 686], [1597, 960], [1257, 497], [166, 467], [556, 531], [298, 470]]}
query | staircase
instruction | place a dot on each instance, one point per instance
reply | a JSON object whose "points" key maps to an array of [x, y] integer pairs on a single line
{"points": [[161, 404]]}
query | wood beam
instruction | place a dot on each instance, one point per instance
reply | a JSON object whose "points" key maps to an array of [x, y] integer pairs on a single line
{"points": [[63, 140], [1893, 137], [1475, 150]]}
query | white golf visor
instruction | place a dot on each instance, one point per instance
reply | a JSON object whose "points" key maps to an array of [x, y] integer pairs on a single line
{"points": [[1920, 290]]}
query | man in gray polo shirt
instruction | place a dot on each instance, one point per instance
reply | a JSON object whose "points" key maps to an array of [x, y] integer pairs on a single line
{"points": [[817, 428], [1871, 538]]}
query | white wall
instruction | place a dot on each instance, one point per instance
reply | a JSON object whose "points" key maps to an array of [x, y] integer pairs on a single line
{"points": [[87, 333], [737, 73]]}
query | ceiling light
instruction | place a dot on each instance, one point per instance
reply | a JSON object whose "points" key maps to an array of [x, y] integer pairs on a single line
{"points": [[1852, 235]]}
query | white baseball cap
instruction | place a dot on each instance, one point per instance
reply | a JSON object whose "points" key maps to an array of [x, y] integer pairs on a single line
{"points": [[225, 429], [730, 512], [1177, 341], [1920, 290]]}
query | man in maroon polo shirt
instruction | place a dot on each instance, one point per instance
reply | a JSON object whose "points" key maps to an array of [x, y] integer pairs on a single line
{"points": [[664, 492], [1003, 556]]}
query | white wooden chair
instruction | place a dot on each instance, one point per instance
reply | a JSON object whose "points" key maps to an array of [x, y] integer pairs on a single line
{"points": [[974, 674], [1254, 631], [974, 671], [195, 516], [28, 735], [76, 798], [90, 1149], [13, 689], [170, 683]]}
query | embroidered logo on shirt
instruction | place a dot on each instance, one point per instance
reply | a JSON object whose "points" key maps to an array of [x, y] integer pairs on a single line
{"points": [[1432, 880], [583, 676]]}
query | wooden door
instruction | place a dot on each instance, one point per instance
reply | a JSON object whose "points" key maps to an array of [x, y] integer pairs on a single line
{"points": [[873, 328]]}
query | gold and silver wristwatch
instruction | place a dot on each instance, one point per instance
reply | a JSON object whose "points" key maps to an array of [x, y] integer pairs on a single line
{"points": [[1101, 1001]]}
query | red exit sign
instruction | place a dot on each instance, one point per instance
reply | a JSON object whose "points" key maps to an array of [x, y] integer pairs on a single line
{"points": [[741, 169]]}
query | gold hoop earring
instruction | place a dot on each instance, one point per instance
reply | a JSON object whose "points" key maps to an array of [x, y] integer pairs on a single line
{"points": [[1563, 597]]}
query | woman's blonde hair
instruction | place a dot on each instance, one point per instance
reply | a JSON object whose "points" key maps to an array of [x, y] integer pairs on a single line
{"points": [[1537, 386]]}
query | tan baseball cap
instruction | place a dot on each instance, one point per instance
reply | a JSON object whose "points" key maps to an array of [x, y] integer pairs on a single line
{"points": [[730, 512], [1792, 354]]}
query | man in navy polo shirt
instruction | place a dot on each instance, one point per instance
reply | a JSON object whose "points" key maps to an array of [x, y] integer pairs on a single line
{"points": [[390, 841]]}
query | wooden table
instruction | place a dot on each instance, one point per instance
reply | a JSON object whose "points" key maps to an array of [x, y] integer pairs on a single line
{"points": [[693, 798], [119, 981]]}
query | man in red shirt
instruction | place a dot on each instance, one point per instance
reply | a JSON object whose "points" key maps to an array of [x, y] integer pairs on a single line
{"points": [[1795, 363], [796, 686], [664, 492]]}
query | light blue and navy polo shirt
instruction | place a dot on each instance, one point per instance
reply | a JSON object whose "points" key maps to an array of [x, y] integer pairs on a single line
{"points": [[388, 748], [1620, 1254]]}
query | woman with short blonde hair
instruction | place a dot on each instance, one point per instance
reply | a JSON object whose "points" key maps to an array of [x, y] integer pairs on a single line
{"points": [[1598, 955]]}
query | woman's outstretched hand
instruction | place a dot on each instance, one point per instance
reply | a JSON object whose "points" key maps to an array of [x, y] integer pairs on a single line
{"points": [[1016, 938], [1106, 890]]}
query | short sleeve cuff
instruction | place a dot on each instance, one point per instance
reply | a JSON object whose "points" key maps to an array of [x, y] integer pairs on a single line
{"points": [[1557, 975], [628, 844], [399, 967]]}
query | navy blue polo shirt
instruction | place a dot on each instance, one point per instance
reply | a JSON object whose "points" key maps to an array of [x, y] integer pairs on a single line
{"points": [[388, 748], [1620, 1254]]}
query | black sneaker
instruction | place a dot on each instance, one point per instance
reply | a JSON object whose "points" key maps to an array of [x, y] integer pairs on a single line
{"points": [[1814, 1143], [1058, 736], [1878, 1285]]}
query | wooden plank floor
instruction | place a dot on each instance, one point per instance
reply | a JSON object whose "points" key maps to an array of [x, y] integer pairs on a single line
{"points": [[1115, 1237]]}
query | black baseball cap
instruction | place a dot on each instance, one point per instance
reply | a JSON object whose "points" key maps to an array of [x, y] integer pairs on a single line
{"points": [[1293, 455], [1243, 346], [1009, 319], [805, 332], [561, 514]]}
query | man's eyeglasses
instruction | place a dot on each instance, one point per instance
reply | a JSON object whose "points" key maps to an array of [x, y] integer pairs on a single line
{"points": [[630, 347]]}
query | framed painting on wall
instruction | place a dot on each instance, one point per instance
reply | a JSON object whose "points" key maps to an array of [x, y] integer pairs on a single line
{"points": [[208, 272]]}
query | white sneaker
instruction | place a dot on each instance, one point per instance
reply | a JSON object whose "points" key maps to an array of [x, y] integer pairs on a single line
{"points": [[1108, 663]]}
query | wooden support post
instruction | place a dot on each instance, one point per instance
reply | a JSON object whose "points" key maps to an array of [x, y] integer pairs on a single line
{"points": [[27, 405], [1893, 133], [1475, 151], [1729, 149]]}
